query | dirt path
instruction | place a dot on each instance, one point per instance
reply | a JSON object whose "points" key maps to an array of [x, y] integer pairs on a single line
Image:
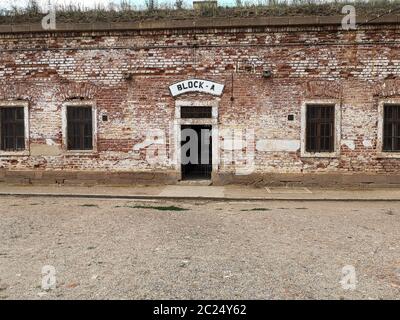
{"points": [[116, 249]]}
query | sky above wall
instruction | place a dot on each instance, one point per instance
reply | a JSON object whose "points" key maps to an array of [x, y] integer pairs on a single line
{"points": [[7, 4]]}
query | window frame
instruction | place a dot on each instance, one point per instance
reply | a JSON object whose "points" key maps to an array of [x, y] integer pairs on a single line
{"points": [[77, 104], [20, 104], [213, 121], [337, 128], [380, 136]]}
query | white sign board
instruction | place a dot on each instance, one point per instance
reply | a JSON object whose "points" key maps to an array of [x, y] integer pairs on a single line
{"points": [[196, 85]]}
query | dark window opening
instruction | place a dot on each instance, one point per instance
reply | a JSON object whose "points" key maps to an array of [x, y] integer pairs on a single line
{"points": [[79, 128], [12, 129], [320, 128], [196, 112], [290, 117], [391, 128]]}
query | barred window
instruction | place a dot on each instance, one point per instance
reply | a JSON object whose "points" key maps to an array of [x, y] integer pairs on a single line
{"points": [[320, 128], [12, 128], [391, 128], [196, 112], [79, 128]]}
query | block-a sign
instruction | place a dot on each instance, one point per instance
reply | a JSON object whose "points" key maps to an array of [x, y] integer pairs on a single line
{"points": [[196, 85]]}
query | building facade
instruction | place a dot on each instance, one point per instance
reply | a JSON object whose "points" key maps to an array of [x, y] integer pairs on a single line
{"points": [[272, 101]]}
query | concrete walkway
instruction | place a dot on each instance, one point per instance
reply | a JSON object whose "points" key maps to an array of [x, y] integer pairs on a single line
{"points": [[222, 193]]}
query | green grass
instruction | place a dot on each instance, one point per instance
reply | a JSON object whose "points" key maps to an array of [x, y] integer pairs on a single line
{"points": [[256, 209], [160, 208]]}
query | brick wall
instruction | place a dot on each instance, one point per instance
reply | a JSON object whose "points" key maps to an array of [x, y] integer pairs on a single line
{"points": [[127, 74]]}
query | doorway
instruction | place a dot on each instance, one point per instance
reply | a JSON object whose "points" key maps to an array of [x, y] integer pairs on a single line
{"points": [[196, 152]]}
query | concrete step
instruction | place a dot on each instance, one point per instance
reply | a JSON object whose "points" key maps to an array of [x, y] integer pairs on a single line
{"points": [[195, 183]]}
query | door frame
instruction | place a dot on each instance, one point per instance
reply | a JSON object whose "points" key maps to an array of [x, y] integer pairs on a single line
{"points": [[213, 122]]}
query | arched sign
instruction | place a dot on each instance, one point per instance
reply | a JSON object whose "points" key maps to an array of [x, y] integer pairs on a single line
{"points": [[196, 85]]}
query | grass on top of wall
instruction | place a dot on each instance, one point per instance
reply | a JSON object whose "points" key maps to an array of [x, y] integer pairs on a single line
{"points": [[126, 12]]}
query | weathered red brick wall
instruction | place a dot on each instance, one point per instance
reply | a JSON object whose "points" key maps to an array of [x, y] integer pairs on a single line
{"points": [[127, 74]]}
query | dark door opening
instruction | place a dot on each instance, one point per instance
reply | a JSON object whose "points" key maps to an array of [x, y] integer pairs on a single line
{"points": [[196, 154]]}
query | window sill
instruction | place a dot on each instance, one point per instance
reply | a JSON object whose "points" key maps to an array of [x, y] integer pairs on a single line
{"points": [[388, 155], [79, 152], [328, 155], [14, 153]]}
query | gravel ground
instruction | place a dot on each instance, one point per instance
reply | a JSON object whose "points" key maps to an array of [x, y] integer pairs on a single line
{"points": [[116, 249]]}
